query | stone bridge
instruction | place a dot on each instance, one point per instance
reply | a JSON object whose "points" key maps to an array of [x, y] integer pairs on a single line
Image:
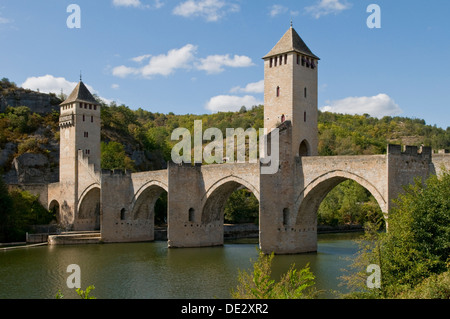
{"points": [[196, 199], [122, 205]]}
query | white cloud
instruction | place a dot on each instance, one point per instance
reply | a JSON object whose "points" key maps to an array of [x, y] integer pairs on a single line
{"points": [[115, 86], [378, 106], [127, 3], [183, 58], [4, 20], [255, 87], [215, 63], [225, 103], [277, 9], [325, 7], [137, 4], [141, 58], [163, 64], [123, 71], [211, 10], [50, 84]]}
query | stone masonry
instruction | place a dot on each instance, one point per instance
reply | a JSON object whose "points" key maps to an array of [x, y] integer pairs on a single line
{"points": [[121, 204]]}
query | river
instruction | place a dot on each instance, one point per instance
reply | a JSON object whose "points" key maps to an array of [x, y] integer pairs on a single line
{"points": [[152, 271]]}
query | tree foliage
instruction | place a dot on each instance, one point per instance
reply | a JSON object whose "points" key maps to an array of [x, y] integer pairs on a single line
{"points": [[113, 156], [259, 284], [18, 211], [417, 244]]}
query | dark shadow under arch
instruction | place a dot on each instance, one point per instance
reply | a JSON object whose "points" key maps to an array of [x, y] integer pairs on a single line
{"points": [[88, 216]]}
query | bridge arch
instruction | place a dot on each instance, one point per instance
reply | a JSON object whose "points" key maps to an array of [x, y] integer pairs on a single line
{"points": [[143, 203], [88, 216], [314, 193], [215, 198], [55, 207]]}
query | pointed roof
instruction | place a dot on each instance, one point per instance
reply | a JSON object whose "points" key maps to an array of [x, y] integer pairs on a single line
{"points": [[80, 94], [291, 42]]}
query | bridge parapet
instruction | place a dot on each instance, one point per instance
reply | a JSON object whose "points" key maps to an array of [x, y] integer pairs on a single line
{"points": [[409, 150]]}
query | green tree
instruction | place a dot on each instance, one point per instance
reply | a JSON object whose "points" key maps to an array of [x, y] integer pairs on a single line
{"points": [[417, 244], [242, 207], [113, 156], [6, 205], [258, 284]]}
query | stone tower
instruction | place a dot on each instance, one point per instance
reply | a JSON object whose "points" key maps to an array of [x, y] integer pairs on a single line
{"points": [[290, 91], [290, 104], [79, 149]]}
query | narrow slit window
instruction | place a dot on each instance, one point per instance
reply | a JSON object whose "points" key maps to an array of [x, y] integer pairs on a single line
{"points": [[278, 91], [304, 116], [305, 93], [191, 215], [92, 119], [271, 62], [84, 118], [285, 59]]}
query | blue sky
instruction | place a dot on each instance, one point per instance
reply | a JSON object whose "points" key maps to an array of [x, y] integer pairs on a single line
{"points": [[203, 56]]}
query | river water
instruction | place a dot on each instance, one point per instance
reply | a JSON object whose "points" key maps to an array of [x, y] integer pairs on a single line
{"points": [[152, 271]]}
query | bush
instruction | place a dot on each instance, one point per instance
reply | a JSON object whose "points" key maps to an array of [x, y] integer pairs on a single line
{"points": [[295, 284], [434, 287], [416, 248]]}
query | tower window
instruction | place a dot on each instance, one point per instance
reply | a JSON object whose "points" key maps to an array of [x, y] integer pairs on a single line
{"points": [[191, 215], [271, 62], [275, 61], [92, 119], [90, 106], [313, 64], [95, 107], [87, 152], [285, 59], [123, 214], [81, 105], [298, 59], [86, 134], [283, 118], [278, 91], [285, 216], [305, 93], [303, 61], [304, 116], [84, 118]]}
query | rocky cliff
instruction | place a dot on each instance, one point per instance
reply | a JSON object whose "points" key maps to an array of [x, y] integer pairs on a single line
{"points": [[37, 102]]}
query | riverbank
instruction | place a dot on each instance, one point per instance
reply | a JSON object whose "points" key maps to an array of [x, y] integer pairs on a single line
{"points": [[231, 232]]}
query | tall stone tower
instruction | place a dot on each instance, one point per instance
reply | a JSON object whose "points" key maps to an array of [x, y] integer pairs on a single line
{"points": [[290, 91], [290, 104], [79, 124]]}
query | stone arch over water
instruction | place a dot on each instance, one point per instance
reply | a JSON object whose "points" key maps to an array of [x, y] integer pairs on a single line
{"points": [[143, 205], [312, 196], [88, 217], [216, 198]]}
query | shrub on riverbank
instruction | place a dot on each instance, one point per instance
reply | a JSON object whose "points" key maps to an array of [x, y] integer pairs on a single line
{"points": [[18, 210], [414, 255], [295, 284]]}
